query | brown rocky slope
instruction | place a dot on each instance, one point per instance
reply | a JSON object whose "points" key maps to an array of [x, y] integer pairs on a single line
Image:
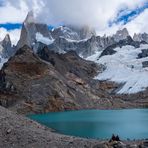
{"points": [[62, 82], [48, 81]]}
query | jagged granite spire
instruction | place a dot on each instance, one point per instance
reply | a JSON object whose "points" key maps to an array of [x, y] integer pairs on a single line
{"points": [[29, 30], [7, 50], [140, 37], [7, 38], [30, 18], [121, 34]]}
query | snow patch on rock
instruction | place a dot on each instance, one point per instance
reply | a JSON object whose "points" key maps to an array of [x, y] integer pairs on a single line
{"points": [[44, 40]]}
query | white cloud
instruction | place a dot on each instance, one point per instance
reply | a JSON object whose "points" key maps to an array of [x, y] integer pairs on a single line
{"points": [[14, 35], [139, 24], [11, 14], [96, 13]]}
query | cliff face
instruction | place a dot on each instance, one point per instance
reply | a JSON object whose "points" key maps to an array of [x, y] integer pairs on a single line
{"points": [[49, 81], [53, 82], [30, 28]]}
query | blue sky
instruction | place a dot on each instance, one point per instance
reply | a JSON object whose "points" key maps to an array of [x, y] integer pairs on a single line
{"points": [[128, 15], [124, 16], [106, 16], [10, 26]]}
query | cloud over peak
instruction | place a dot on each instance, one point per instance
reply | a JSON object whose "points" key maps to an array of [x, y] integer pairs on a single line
{"points": [[95, 13]]}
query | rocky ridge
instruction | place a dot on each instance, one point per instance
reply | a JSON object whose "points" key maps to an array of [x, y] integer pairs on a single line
{"points": [[48, 82], [29, 30], [7, 50]]}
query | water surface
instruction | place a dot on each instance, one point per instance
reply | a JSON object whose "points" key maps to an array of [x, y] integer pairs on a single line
{"points": [[132, 124]]}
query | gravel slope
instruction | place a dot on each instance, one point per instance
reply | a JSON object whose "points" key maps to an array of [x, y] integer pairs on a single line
{"points": [[18, 131]]}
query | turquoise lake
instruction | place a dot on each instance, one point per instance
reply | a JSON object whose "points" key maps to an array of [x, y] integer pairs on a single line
{"points": [[128, 124]]}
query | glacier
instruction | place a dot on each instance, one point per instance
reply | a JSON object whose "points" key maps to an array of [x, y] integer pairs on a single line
{"points": [[125, 68]]}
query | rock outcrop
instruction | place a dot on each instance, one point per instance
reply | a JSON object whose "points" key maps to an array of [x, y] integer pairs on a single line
{"points": [[84, 48], [143, 54], [53, 82], [128, 41], [121, 35], [29, 30], [73, 33], [7, 50], [141, 37]]}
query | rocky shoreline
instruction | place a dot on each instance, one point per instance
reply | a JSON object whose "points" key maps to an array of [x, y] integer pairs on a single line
{"points": [[18, 131]]}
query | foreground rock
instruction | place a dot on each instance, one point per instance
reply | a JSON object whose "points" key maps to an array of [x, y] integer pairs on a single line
{"points": [[18, 131], [57, 82]]}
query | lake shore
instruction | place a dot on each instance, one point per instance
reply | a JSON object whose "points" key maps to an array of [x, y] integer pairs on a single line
{"points": [[18, 131]]}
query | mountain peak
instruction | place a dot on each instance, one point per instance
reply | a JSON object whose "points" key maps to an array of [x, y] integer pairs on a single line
{"points": [[30, 29], [30, 17], [121, 34], [140, 37], [6, 47], [7, 38]]}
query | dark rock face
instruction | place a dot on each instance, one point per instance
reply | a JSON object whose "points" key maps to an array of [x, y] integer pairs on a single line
{"points": [[143, 54], [29, 29], [83, 39], [109, 50], [84, 48], [53, 82], [69, 62], [121, 35], [7, 49], [145, 64], [128, 41], [141, 37]]}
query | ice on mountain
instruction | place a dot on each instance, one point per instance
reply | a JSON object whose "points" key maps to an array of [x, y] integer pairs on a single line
{"points": [[42, 39], [125, 68]]}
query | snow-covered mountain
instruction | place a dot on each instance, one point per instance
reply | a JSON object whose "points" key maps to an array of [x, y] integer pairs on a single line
{"points": [[126, 65], [73, 33], [121, 35], [125, 58]]}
